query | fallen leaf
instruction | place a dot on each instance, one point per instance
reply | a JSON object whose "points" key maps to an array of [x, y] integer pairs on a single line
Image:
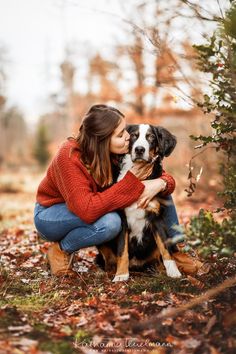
{"points": [[191, 343], [195, 282], [167, 322], [66, 330], [213, 350], [106, 326], [210, 324], [82, 321], [161, 303], [25, 328], [26, 342], [229, 318]]}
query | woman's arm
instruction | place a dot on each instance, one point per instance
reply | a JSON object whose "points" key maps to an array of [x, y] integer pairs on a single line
{"points": [[68, 181], [164, 185], [170, 184], [80, 192], [90, 205]]}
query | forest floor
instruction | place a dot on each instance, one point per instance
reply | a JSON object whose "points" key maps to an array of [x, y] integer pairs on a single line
{"points": [[89, 313]]}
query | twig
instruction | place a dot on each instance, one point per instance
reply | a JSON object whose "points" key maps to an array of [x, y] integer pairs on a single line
{"points": [[198, 13], [173, 312], [192, 179], [221, 12], [7, 286]]}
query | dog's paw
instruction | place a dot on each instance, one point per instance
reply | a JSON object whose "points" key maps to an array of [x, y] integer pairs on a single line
{"points": [[121, 277], [171, 269]]}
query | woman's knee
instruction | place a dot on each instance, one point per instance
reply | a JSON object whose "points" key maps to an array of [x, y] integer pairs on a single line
{"points": [[43, 231], [55, 222], [111, 225]]}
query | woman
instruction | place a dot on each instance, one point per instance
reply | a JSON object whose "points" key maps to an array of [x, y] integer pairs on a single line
{"points": [[76, 200]]}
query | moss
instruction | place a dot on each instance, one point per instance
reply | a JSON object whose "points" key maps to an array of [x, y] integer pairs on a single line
{"points": [[82, 336], [19, 288], [10, 317], [126, 304], [58, 347], [39, 332], [34, 302], [160, 283]]}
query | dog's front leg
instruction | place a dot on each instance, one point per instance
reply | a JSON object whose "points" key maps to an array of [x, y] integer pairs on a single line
{"points": [[122, 272], [169, 264]]}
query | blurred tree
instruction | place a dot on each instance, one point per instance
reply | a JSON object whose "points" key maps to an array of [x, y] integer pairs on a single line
{"points": [[103, 79], [13, 142], [136, 56], [3, 76], [13, 129], [62, 117], [67, 93], [41, 147], [218, 58], [161, 68], [67, 75]]}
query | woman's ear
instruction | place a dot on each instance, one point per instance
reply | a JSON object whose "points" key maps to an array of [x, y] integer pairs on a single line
{"points": [[166, 141]]}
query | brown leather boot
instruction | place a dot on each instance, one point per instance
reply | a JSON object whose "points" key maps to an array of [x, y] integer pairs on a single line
{"points": [[60, 262], [187, 260]]}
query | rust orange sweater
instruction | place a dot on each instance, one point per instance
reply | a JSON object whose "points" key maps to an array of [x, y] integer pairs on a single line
{"points": [[68, 181]]}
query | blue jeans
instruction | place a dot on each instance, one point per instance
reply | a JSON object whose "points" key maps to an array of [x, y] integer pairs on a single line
{"points": [[170, 218], [58, 224]]}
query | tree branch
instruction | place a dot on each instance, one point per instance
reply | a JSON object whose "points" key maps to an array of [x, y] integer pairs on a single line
{"points": [[173, 312]]}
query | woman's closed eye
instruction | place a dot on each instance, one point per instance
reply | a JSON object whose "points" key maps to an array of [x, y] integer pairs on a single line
{"points": [[121, 134]]}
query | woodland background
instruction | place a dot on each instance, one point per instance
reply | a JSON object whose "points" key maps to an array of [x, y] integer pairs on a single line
{"points": [[152, 74]]}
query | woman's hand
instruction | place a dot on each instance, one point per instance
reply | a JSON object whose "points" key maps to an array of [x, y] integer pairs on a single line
{"points": [[142, 169], [152, 187]]}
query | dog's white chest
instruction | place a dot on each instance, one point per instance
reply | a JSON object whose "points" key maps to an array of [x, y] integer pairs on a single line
{"points": [[136, 221], [135, 216]]}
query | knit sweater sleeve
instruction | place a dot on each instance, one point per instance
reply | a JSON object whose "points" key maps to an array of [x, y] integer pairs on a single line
{"points": [[80, 193], [170, 184]]}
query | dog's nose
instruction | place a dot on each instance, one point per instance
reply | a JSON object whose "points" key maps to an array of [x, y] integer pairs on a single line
{"points": [[139, 150]]}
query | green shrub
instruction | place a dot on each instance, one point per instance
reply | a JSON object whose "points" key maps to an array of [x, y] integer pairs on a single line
{"points": [[218, 58], [214, 237]]}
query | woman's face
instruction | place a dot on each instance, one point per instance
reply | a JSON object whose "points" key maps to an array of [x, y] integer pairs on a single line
{"points": [[120, 139]]}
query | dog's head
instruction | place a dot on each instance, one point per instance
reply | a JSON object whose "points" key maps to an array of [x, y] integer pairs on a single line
{"points": [[148, 142]]}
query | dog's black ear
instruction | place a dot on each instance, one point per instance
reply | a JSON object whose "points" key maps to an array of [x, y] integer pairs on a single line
{"points": [[166, 141]]}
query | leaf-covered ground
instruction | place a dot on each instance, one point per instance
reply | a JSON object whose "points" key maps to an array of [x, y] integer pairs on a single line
{"points": [[89, 313]]}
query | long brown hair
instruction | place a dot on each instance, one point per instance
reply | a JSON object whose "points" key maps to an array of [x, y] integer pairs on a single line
{"points": [[94, 139]]}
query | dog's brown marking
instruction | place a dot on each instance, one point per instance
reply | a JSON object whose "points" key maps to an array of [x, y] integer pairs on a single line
{"points": [[154, 206], [108, 256], [163, 250], [123, 258], [155, 256]]}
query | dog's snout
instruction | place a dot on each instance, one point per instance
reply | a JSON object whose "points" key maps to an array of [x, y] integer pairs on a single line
{"points": [[139, 150]]}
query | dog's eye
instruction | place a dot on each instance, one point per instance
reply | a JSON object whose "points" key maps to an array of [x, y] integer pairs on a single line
{"points": [[133, 135], [151, 137]]}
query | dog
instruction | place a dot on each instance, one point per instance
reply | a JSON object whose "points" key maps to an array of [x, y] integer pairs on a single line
{"points": [[143, 235]]}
